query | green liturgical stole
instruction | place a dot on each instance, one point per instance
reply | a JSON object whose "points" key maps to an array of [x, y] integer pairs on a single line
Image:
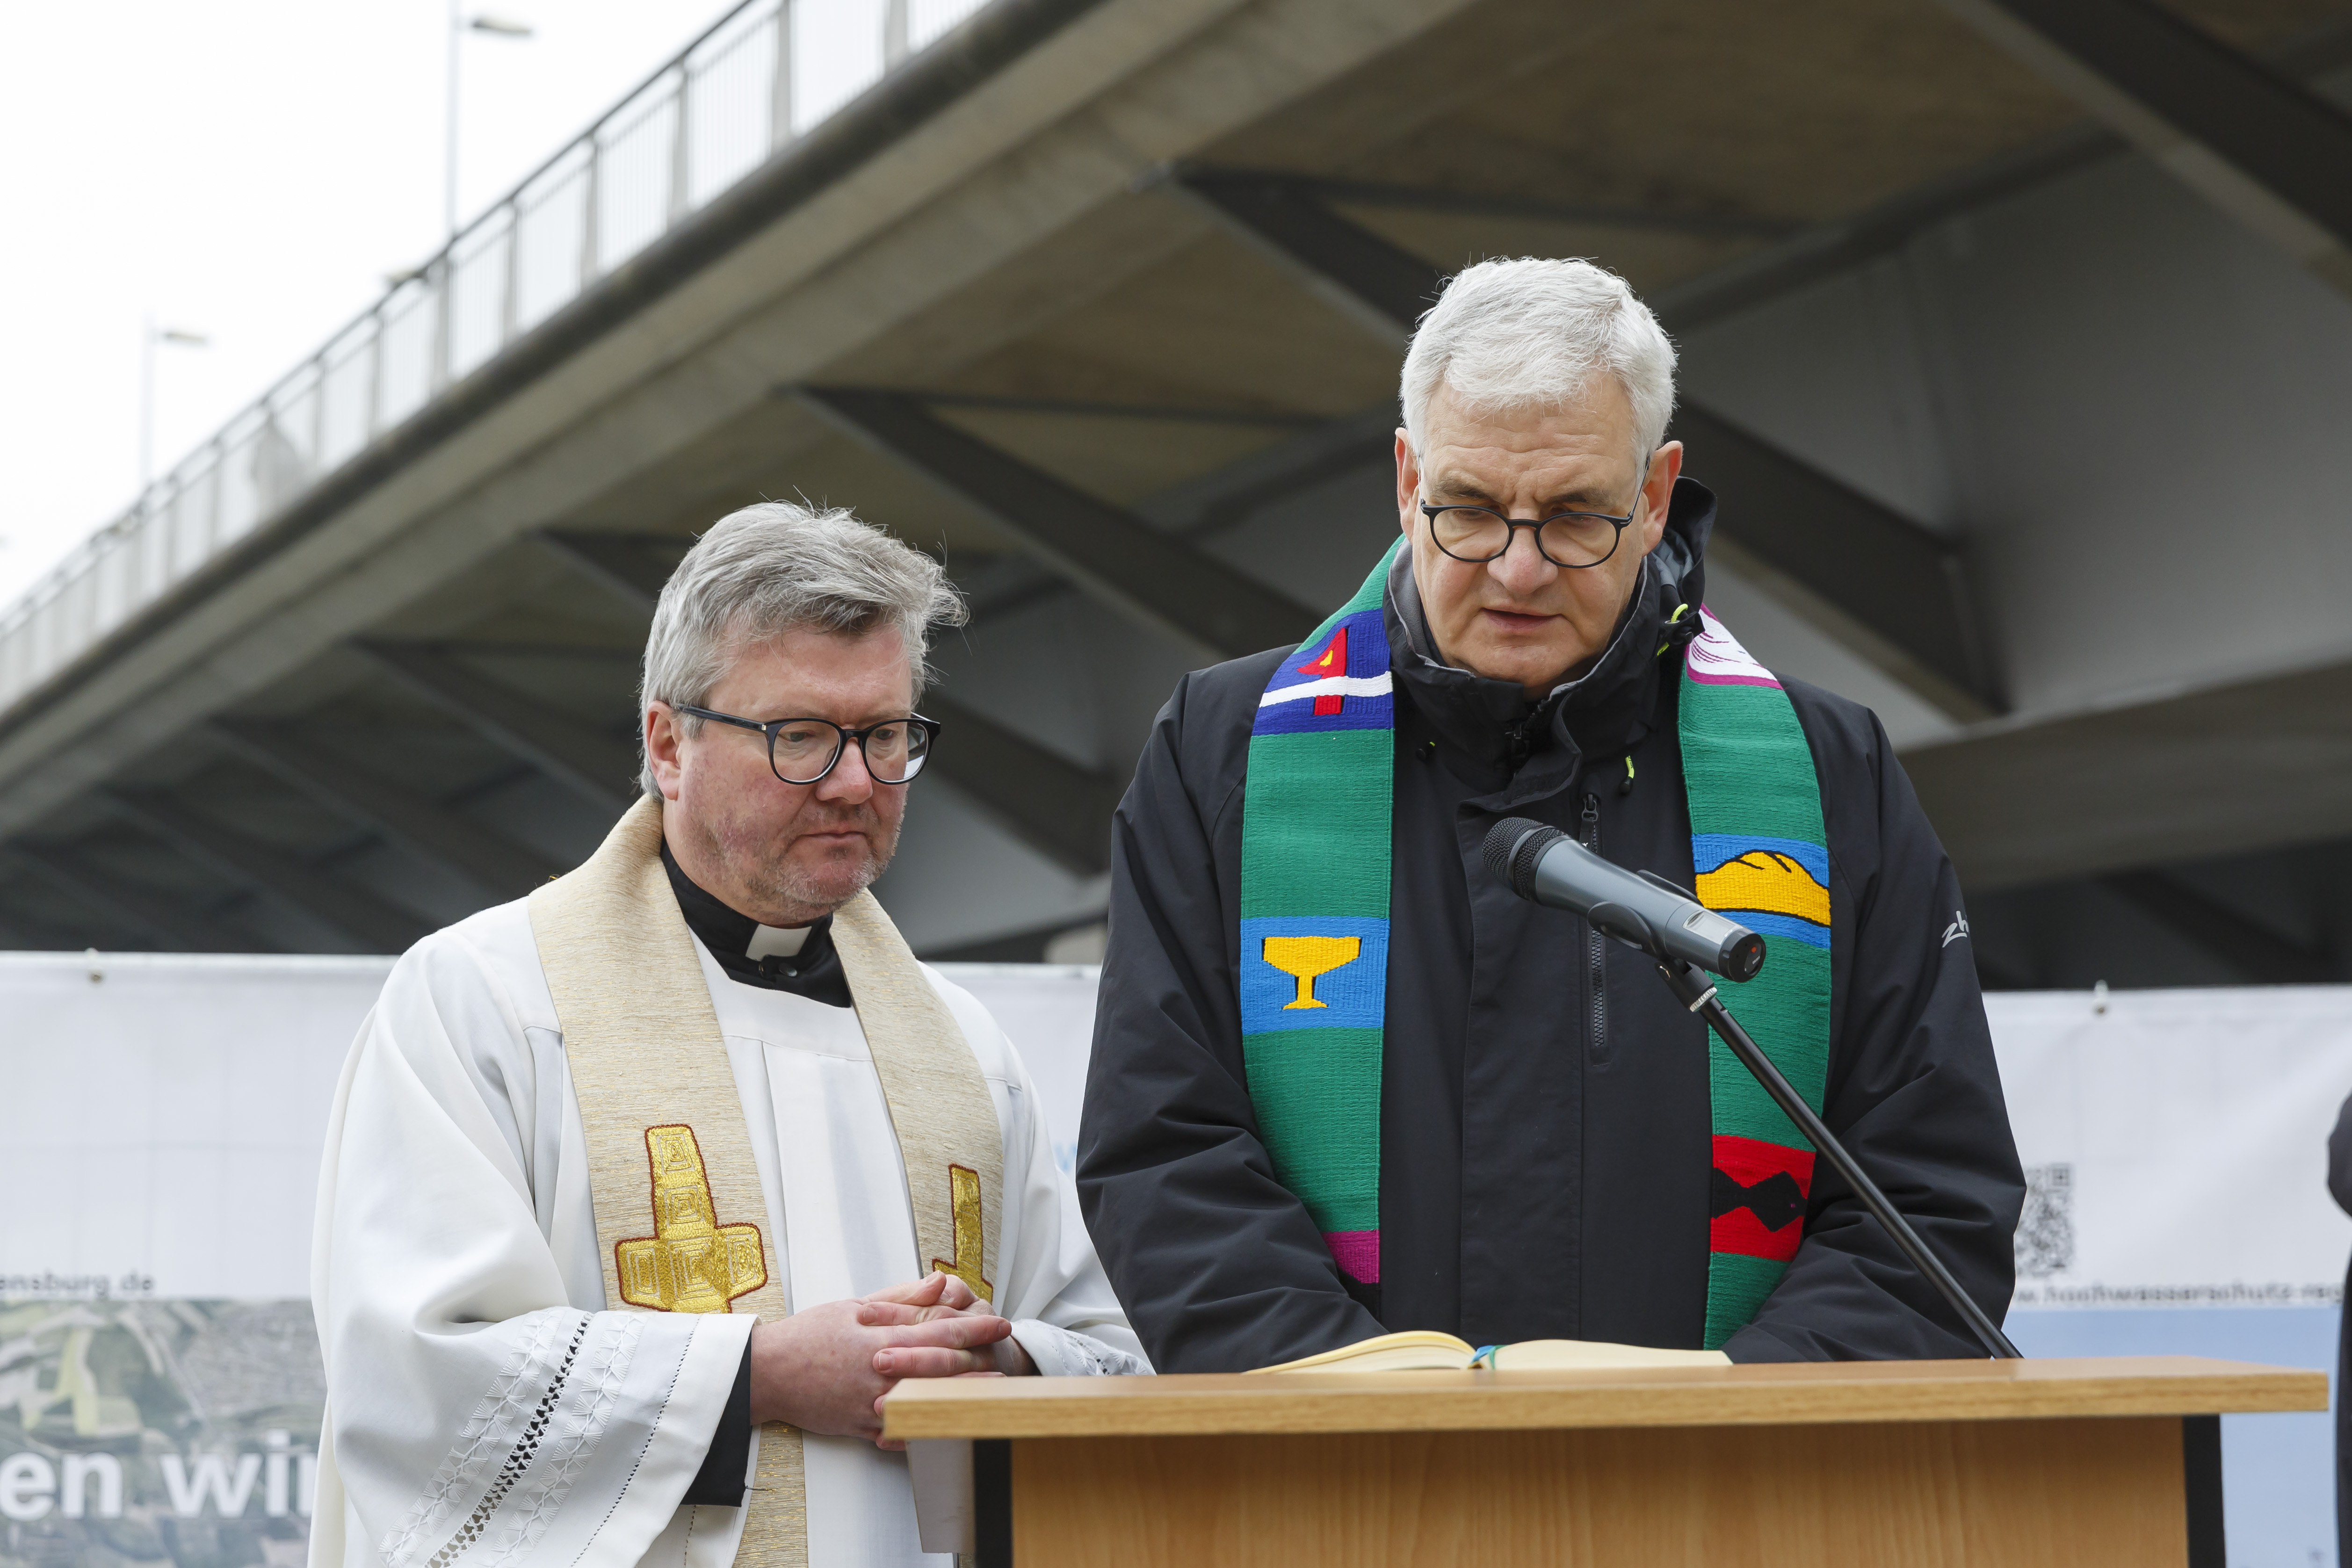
{"points": [[1315, 815]]}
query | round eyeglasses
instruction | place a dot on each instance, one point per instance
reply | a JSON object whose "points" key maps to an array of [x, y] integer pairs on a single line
{"points": [[804, 750], [1572, 539]]}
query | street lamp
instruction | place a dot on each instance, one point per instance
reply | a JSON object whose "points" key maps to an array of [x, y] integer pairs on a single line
{"points": [[148, 338], [459, 26]]}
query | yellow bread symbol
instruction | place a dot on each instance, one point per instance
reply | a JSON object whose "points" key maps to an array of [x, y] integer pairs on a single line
{"points": [[691, 1264], [1768, 881], [1303, 957]]}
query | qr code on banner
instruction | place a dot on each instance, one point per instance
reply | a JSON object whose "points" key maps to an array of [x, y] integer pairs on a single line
{"points": [[2045, 1231]]}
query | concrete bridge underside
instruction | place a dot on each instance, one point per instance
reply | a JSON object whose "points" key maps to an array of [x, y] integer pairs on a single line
{"points": [[2029, 434]]}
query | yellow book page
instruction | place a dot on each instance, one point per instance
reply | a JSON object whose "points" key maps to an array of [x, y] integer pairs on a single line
{"points": [[1416, 1349], [1580, 1354]]}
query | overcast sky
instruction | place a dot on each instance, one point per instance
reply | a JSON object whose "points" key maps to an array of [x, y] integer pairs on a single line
{"points": [[250, 171]]}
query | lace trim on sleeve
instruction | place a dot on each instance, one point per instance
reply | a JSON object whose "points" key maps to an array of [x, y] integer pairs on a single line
{"points": [[521, 1381], [1060, 1353], [599, 1370], [532, 1432]]}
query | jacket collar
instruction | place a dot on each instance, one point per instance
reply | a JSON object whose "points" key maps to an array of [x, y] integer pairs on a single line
{"points": [[1606, 710]]}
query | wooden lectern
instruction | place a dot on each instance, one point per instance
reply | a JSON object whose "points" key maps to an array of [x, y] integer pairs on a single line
{"points": [[2079, 1463]]}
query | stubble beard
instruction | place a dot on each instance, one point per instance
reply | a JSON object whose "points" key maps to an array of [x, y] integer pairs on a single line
{"points": [[785, 883]]}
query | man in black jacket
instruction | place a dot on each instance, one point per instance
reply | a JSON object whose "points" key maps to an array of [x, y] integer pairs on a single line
{"points": [[1544, 1126]]}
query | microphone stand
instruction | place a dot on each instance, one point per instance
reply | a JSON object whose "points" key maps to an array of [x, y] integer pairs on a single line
{"points": [[1695, 991]]}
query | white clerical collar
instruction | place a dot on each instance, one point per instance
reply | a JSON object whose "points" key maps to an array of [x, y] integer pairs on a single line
{"points": [[777, 941]]}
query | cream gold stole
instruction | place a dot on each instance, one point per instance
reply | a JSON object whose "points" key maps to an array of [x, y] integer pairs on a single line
{"points": [[670, 1171]]}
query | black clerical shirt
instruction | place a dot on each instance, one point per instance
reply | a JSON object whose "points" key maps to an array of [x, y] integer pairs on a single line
{"points": [[813, 972]]}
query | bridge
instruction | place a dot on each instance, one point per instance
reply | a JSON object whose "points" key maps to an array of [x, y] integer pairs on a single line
{"points": [[2016, 341]]}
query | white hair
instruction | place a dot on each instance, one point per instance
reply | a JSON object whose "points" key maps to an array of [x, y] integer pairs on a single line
{"points": [[775, 568], [1508, 337]]}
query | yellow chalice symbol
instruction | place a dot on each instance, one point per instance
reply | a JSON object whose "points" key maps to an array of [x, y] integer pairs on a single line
{"points": [[1303, 957]]}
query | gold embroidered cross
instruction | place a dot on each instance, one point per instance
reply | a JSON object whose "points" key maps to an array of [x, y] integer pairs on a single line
{"points": [[691, 1264], [963, 1195]]}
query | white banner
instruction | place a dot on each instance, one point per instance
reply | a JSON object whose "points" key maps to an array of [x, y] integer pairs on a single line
{"points": [[166, 1115], [2176, 1152], [165, 1118], [2178, 1144]]}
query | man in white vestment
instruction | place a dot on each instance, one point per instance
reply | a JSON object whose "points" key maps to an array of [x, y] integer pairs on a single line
{"points": [[641, 1193]]}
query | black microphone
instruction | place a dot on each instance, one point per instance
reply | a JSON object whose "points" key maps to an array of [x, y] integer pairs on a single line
{"points": [[1546, 866]]}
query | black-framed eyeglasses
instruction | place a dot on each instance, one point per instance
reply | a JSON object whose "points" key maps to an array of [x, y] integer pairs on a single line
{"points": [[804, 750], [1571, 539]]}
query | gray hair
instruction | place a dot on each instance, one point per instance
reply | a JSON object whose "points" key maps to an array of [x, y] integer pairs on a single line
{"points": [[1511, 336], [775, 568]]}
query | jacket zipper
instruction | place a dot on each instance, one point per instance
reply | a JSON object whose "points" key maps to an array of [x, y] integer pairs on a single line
{"points": [[1596, 950]]}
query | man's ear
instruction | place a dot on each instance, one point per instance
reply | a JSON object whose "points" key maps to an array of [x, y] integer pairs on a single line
{"points": [[662, 747], [1658, 493], [1408, 481]]}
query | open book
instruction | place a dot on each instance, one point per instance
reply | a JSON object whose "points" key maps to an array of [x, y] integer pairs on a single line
{"points": [[1425, 1350]]}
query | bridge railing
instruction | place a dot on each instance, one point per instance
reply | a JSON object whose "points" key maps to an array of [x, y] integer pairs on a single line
{"points": [[755, 81]]}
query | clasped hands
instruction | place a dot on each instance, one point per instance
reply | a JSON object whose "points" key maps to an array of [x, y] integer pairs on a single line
{"points": [[826, 1369]]}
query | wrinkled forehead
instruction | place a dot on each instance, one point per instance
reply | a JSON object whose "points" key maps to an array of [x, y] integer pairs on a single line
{"points": [[1588, 439], [1598, 477], [814, 671]]}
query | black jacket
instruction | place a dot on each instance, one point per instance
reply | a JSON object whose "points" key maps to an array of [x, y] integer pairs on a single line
{"points": [[1545, 1120]]}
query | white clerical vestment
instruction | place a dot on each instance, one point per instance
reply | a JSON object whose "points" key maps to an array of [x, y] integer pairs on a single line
{"points": [[483, 1406]]}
